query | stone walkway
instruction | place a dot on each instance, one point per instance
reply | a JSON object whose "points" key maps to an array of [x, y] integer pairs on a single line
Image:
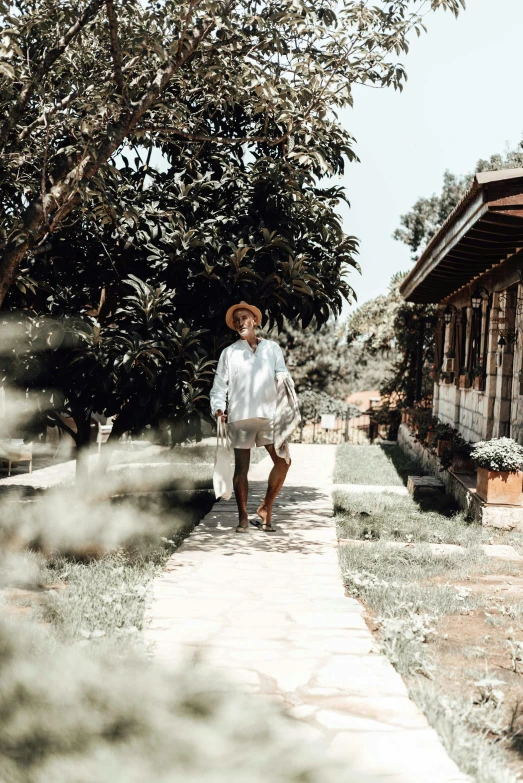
{"points": [[269, 611]]}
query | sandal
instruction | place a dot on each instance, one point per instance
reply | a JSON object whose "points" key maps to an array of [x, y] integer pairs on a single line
{"points": [[261, 525], [241, 529]]}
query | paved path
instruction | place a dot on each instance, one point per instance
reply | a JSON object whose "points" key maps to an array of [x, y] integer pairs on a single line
{"points": [[270, 610]]}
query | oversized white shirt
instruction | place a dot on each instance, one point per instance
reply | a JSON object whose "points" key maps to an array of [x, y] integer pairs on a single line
{"points": [[245, 380]]}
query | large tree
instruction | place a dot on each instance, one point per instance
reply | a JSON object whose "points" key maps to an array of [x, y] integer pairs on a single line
{"points": [[80, 80], [120, 317]]}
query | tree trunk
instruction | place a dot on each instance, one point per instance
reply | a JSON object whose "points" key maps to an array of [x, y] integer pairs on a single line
{"points": [[107, 448], [83, 441]]}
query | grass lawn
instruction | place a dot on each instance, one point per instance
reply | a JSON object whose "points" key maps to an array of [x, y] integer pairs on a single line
{"points": [[385, 465], [451, 624], [392, 517]]}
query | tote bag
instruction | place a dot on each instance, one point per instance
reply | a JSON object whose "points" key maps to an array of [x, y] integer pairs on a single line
{"points": [[222, 476]]}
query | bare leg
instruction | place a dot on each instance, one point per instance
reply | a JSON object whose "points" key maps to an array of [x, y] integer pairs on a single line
{"points": [[242, 459], [276, 478]]}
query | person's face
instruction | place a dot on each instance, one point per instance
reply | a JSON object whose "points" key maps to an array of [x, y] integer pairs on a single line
{"points": [[244, 322]]}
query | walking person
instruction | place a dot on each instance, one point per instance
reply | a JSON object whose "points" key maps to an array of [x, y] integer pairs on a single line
{"points": [[247, 390]]}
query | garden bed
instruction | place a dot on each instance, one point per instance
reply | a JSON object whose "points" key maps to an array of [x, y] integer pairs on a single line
{"points": [[451, 622]]}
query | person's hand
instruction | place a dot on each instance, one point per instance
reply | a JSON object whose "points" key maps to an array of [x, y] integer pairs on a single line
{"points": [[222, 415]]}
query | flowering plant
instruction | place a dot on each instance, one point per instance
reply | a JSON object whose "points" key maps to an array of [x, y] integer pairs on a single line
{"points": [[501, 454]]}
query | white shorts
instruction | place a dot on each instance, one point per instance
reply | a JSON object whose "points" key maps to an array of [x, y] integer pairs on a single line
{"points": [[247, 433]]}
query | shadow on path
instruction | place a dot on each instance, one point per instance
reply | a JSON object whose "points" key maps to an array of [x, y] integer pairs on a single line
{"points": [[302, 517]]}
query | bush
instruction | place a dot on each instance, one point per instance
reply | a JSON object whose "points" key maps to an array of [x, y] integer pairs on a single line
{"points": [[445, 431], [502, 454]]}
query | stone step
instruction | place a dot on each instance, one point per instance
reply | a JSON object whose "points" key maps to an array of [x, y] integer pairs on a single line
{"points": [[418, 485]]}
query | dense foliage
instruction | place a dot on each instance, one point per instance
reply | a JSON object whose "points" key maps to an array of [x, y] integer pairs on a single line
{"points": [[79, 80], [314, 403], [316, 358], [389, 326]]}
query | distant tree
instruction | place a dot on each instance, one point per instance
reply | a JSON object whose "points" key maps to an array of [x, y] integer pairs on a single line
{"points": [[315, 357], [372, 324], [389, 326], [367, 371]]}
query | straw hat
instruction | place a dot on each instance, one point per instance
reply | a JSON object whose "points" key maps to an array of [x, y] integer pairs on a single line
{"points": [[242, 306]]}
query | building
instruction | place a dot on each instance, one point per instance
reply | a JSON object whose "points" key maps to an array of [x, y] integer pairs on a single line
{"points": [[365, 400], [472, 269]]}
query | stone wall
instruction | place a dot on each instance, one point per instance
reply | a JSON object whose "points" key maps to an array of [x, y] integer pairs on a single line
{"points": [[497, 411], [465, 409], [473, 414]]}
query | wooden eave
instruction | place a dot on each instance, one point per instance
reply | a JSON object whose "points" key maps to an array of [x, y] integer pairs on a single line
{"points": [[483, 231]]}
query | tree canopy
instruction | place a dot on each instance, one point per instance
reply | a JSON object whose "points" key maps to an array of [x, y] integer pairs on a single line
{"points": [[80, 80]]}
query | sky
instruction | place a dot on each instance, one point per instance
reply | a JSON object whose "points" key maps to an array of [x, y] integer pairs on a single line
{"points": [[462, 102]]}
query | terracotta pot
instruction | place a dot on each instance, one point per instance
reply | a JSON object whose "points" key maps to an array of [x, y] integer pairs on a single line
{"points": [[462, 465], [479, 383], [499, 486], [430, 438], [442, 443]]}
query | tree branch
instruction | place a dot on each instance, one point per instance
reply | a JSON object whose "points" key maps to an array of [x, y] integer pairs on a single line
{"points": [[64, 195], [115, 48], [51, 57], [43, 118], [216, 139], [62, 425]]}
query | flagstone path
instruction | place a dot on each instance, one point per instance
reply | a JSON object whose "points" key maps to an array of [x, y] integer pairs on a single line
{"points": [[269, 611]]}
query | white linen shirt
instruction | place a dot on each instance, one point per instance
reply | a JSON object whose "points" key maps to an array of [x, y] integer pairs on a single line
{"points": [[245, 380]]}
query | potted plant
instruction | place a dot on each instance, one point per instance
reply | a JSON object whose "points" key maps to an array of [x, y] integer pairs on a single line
{"points": [[456, 455], [427, 427], [499, 477], [465, 380], [444, 435]]}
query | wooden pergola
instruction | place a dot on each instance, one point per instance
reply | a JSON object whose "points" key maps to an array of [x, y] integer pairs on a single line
{"points": [[483, 231]]}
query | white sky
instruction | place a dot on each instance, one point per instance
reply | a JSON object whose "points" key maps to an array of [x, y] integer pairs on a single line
{"points": [[462, 101]]}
